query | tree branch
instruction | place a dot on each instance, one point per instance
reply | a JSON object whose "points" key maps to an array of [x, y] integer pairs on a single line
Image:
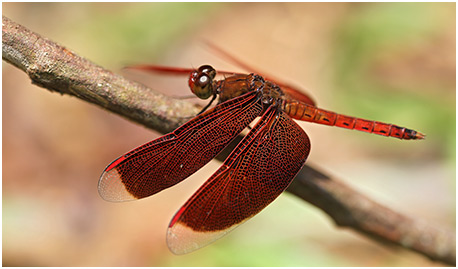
{"points": [[55, 68]]}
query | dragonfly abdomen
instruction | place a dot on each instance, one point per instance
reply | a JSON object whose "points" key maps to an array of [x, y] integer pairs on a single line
{"points": [[301, 111]]}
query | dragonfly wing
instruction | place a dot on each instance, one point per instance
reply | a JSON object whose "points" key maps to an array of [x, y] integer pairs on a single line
{"points": [[171, 158], [258, 170]]}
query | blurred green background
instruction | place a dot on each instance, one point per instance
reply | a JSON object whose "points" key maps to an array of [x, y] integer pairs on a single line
{"points": [[390, 62]]}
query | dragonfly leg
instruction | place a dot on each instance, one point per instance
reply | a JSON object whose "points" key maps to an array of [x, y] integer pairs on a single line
{"points": [[208, 105]]}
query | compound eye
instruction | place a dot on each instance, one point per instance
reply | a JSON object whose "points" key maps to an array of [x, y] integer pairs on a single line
{"points": [[202, 86], [208, 70]]}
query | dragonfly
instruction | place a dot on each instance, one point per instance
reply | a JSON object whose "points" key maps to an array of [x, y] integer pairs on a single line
{"points": [[254, 174]]}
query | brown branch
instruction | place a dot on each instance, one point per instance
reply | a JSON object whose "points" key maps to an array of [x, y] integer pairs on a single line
{"points": [[55, 68]]}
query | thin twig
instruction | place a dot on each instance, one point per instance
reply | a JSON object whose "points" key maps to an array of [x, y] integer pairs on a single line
{"points": [[56, 68]]}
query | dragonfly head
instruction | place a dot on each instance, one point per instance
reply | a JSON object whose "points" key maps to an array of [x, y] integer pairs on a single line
{"points": [[201, 81]]}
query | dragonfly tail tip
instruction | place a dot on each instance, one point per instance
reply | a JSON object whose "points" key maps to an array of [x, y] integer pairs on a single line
{"points": [[420, 136]]}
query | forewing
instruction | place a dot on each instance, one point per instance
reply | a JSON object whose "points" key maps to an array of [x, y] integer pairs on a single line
{"points": [[258, 170], [171, 158]]}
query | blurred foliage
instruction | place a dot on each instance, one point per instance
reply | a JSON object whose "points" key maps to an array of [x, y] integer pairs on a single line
{"points": [[369, 38], [138, 32]]}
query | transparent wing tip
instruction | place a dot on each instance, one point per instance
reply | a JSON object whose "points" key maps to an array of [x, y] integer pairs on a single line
{"points": [[112, 189], [182, 239]]}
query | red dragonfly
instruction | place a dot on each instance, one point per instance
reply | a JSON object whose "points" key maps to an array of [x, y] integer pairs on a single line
{"points": [[257, 171]]}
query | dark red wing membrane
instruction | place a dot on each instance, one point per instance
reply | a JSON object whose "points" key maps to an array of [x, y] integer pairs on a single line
{"points": [[171, 158], [256, 172]]}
